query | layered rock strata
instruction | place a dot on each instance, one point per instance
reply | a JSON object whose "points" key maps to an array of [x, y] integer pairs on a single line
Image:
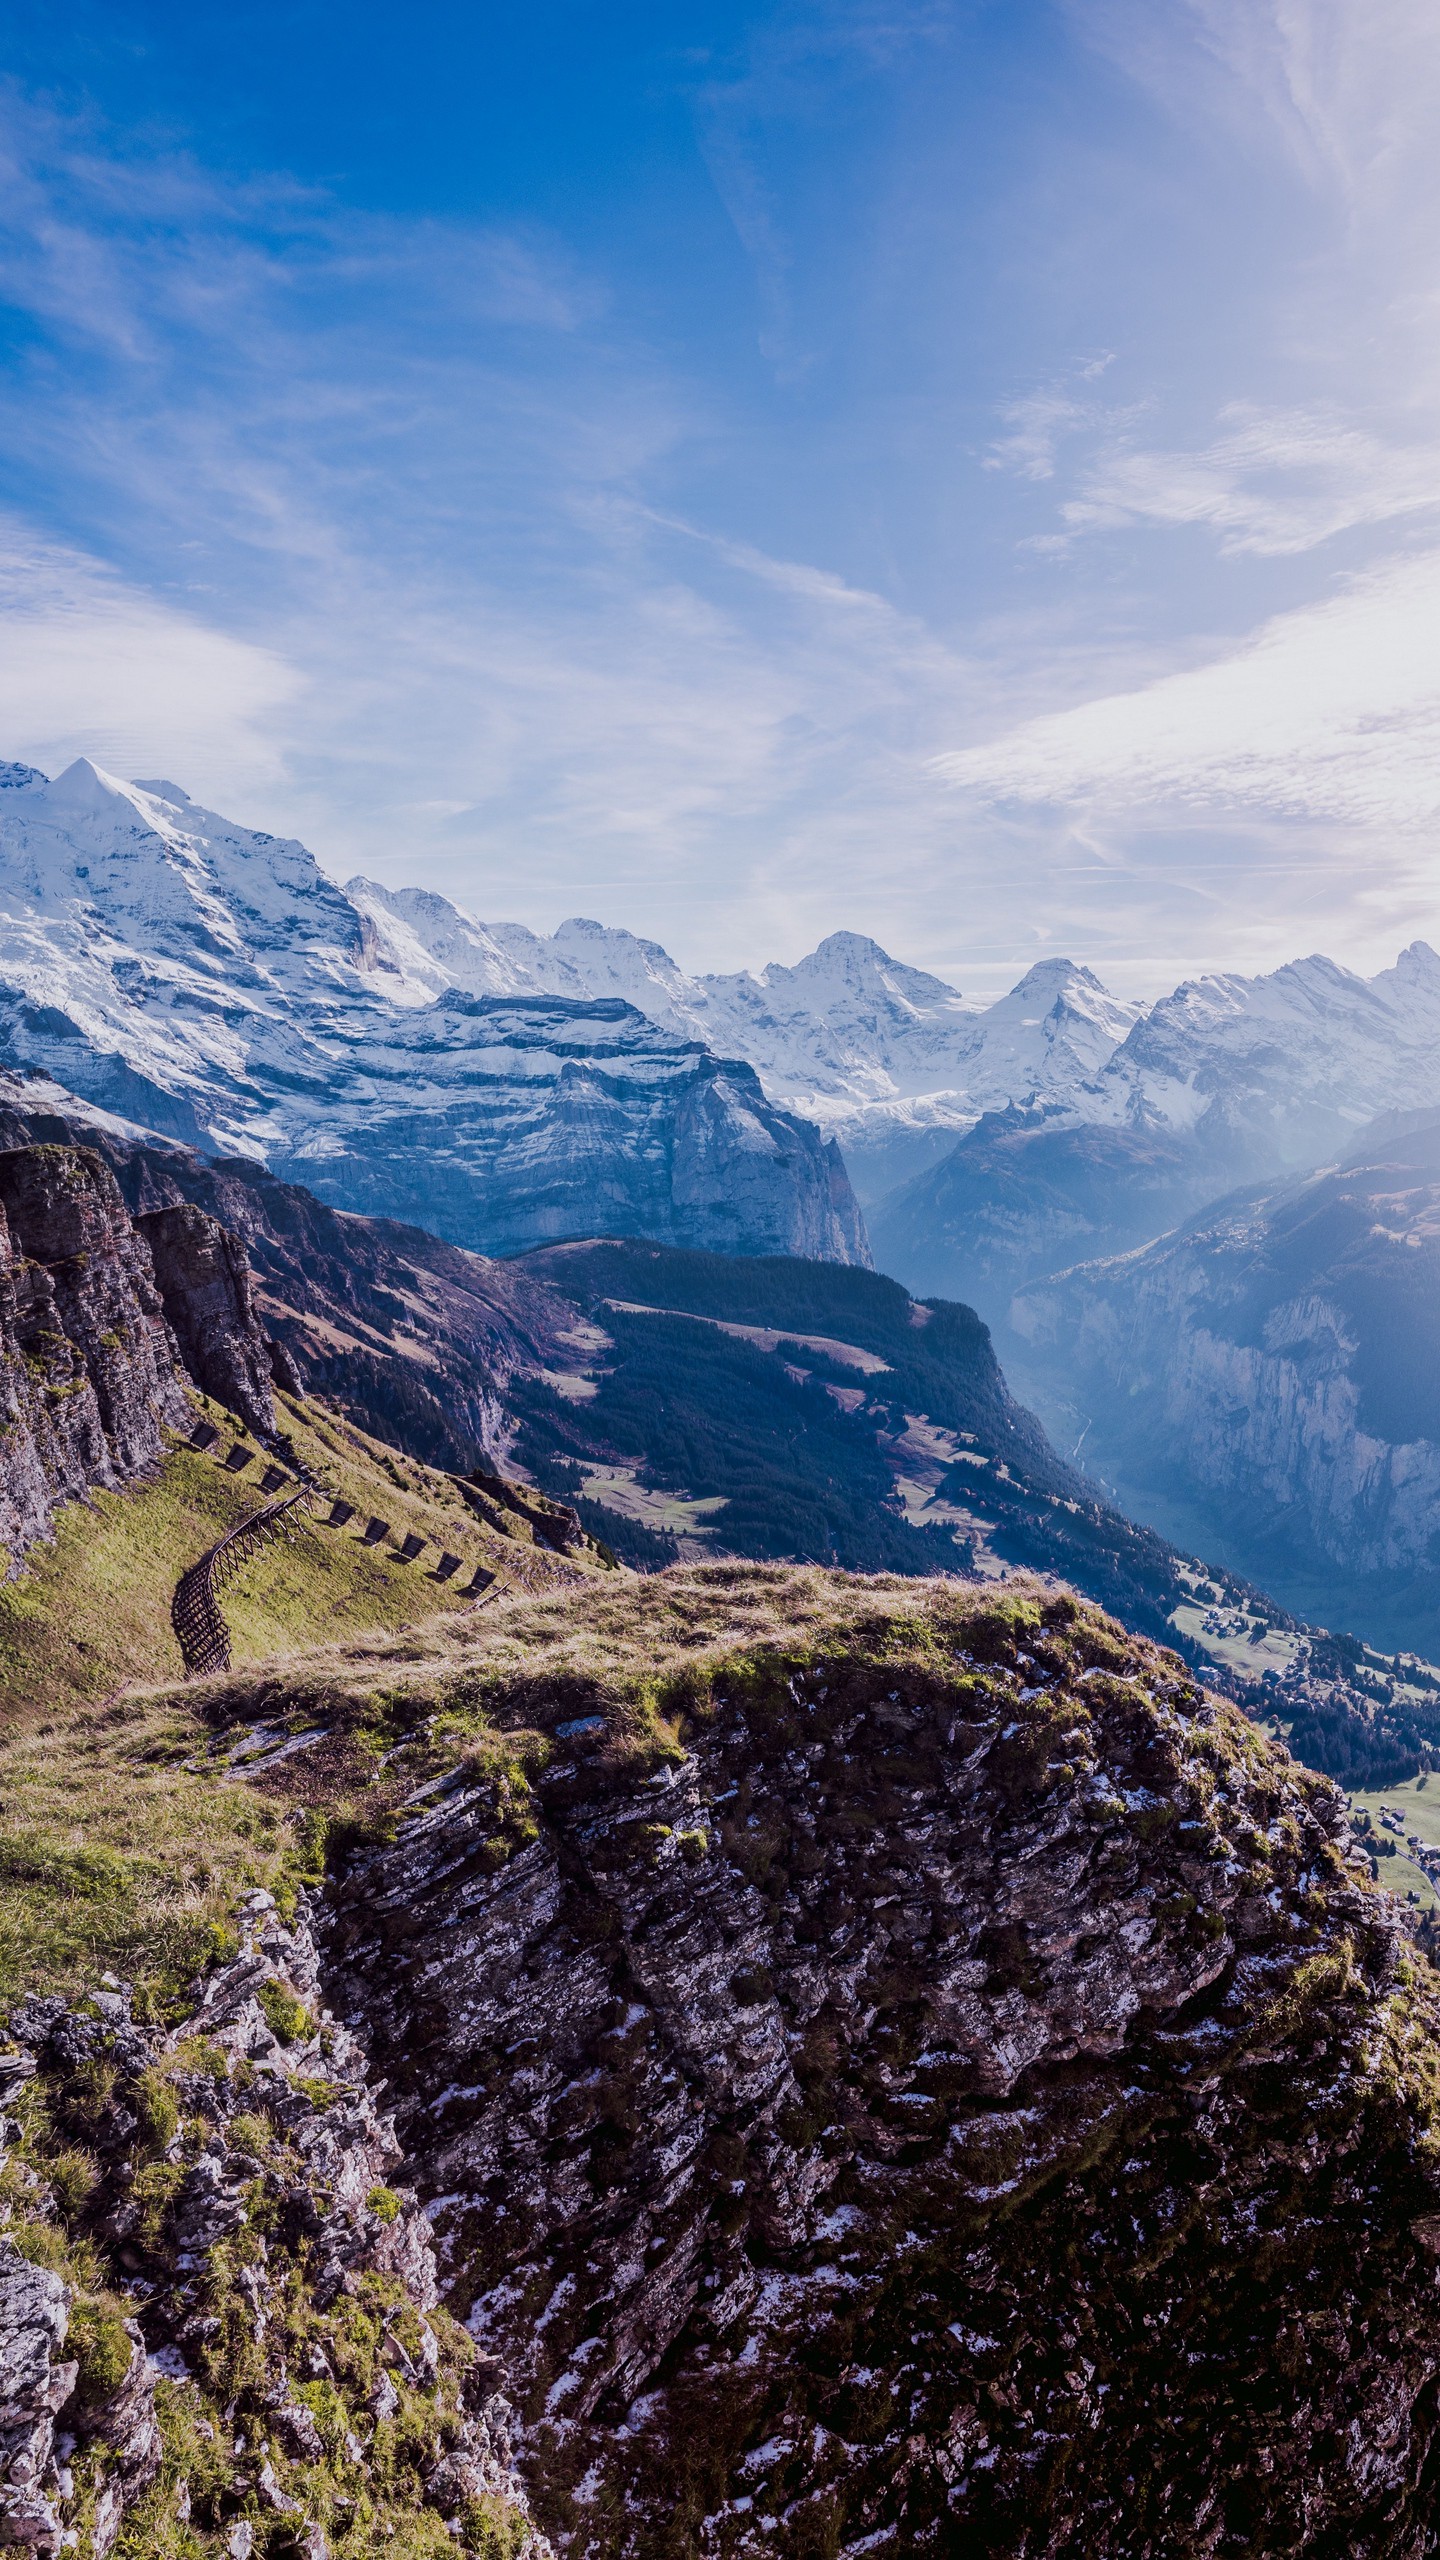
{"points": [[91, 1369], [88, 1370], [218, 2324], [926, 2077], [205, 1287]]}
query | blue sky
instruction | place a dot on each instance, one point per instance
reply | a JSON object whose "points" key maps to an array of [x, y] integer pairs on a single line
{"points": [[964, 472]]}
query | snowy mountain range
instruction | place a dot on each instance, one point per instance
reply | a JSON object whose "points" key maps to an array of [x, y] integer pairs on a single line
{"points": [[1252, 1073], [892, 1062], [1228, 1081], [507, 1088], [210, 982]]}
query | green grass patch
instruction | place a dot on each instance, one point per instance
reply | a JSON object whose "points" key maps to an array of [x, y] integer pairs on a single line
{"points": [[91, 1610], [122, 1844]]}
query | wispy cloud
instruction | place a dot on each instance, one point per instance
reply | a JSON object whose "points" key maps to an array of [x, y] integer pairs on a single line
{"points": [[1347, 93], [90, 665], [458, 621], [1038, 424], [1271, 482], [417, 539], [1329, 712], [1325, 709]]}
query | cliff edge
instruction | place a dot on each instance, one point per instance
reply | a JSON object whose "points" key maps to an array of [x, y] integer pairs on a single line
{"points": [[885, 2067]]}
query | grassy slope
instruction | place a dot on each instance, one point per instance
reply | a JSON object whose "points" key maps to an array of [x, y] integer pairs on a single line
{"points": [[128, 1830], [1419, 1800], [92, 1610], [114, 1852]]}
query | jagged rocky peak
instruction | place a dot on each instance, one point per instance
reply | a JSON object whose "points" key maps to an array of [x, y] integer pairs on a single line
{"points": [[878, 2058], [850, 967], [100, 1317], [421, 943]]}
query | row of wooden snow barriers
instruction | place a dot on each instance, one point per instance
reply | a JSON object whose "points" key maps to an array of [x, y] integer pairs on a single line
{"points": [[376, 1531], [195, 1611]]}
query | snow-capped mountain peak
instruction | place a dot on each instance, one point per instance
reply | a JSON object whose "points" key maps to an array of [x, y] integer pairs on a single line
{"points": [[849, 968], [123, 859], [212, 982]]}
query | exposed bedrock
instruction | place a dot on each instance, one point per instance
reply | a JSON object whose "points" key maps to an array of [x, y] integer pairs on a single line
{"points": [[88, 1377], [278, 2294], [204, 1282], [963, 2094], [92, 1350]]}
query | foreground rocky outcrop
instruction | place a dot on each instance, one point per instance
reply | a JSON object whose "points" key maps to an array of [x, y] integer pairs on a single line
{"points": [[88, 1370], [891, 2068], [91, 1304], [218, 2324], [875, 2067]]}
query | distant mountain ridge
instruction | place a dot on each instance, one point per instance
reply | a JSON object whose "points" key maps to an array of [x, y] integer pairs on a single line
{"points": [[890, 1060], [1266, 1381], [1240, 1077], [208, 981], [1226, 1082], [258, 1003]]}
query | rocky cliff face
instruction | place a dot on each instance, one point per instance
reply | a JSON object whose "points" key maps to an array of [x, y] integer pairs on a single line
{"points": [[90, 1368], [88, 1382], [205, 1288], [502, 1122], [871, 2065], [218, 2323], [891, 2070], [1273, 1366]]}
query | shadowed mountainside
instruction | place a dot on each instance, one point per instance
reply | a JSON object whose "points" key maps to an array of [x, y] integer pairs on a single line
{"points": [[1267, 1381]]}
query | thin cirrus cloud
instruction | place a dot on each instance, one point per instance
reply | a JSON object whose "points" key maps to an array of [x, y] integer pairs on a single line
{"points": [[91, 665], [1329, 712], [1271, 483], [271, 399]]}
